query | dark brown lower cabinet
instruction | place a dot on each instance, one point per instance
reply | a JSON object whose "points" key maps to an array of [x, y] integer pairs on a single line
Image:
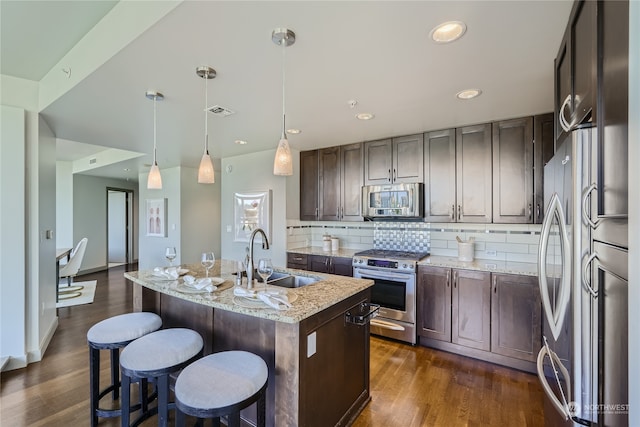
{"points": [[299, 261], [341, 266], [471, 309], [490, 316], [516, 323]]}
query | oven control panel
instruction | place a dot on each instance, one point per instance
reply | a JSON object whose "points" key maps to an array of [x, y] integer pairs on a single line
{"points": [[384, 264]]}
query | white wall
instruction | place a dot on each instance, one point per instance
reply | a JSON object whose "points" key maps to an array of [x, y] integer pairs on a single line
{"points": [[116, 226], [634, 212], [42, 317], [64, 205], [254, 172], [12, 244], [193, 218], [90, 217]]}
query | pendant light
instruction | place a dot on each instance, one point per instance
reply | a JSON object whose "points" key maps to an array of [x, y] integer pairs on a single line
{"points": [[283, 164], [206, 174], [154, 180]]}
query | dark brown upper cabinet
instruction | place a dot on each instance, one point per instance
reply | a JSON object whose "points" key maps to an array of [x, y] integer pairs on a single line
{"points": [[340, 183], [309, 209], [543, 150], [394, 160], [575, 69], [513, 171], [473, 174], [440, 176]]}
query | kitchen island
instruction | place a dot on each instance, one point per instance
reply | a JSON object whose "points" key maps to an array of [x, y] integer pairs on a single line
{"points": [[318, 360]]}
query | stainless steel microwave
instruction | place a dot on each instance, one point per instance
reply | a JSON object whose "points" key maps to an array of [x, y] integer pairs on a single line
{"points": [[393, 201]]}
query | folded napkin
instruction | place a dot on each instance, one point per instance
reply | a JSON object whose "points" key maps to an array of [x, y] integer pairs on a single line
{"points": [[202, 283], [168, 273], [242, 292], [277, 301]]}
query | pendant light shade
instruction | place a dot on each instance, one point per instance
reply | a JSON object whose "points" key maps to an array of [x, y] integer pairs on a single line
{"points": [[206, 173], [283, 163], [154, 180]]}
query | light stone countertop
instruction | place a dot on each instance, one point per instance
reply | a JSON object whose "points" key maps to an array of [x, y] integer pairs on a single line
{"points": [[494, 266], [311, 299], [317, 250]]}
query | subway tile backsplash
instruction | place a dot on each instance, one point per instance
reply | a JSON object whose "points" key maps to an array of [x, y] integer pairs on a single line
{"points": [[505, 242]]}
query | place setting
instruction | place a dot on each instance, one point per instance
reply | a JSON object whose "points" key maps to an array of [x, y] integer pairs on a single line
{"points": [[263, 296], [191, 284]]}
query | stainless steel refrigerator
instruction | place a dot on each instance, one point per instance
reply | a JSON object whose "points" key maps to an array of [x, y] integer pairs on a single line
{"points": [[582, 365]]}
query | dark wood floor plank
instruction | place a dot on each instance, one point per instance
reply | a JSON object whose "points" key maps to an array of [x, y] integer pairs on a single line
{"points": [[410, 386]]}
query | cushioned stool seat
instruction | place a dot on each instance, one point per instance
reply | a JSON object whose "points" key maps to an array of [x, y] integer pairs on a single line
{"points": [[222, 384], [154, 357], [113, 334]]}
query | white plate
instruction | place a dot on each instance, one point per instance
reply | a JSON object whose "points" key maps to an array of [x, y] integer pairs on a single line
{"points": [[187, 289], [254, 302]]}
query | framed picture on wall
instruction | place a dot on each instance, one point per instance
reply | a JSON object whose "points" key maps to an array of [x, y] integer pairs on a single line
{"points": [[156, 217], [251, 210]]}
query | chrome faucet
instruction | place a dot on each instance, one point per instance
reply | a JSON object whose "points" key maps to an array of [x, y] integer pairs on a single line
{"points": [[265, 245]]}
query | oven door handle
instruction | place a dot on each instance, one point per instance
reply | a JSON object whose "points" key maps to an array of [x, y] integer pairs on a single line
{"points": [[369, 274], [386, 325]]}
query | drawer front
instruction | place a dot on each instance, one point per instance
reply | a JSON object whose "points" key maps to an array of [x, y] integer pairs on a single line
{"points": [[294, 258]]}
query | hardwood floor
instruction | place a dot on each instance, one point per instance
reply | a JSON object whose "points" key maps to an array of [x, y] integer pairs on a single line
{"points": [[410, 386]]}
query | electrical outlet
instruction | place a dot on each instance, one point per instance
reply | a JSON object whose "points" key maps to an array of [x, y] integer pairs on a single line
{"points": [[229, 229], [311, 344], [491, 253]]}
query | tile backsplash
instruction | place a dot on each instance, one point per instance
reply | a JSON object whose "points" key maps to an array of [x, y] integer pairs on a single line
{"points": [[504, 242]]}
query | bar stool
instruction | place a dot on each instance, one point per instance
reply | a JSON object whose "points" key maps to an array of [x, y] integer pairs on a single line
{"points": [[222, 384], [113, 334], [154, 357]]}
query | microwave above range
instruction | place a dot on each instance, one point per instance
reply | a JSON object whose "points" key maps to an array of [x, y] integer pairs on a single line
{"points": [[393, 201]]}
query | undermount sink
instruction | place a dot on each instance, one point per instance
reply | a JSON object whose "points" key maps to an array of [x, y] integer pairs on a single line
{"points": [[286, 280]]}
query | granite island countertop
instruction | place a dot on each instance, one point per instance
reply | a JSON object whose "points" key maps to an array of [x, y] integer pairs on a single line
{"points": [[310, 299]]}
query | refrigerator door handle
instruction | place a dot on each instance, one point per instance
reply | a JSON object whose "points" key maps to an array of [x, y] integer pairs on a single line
{"points": [[586, 218], [566, 126], [562, 407], [586, 281], [555, 316]]}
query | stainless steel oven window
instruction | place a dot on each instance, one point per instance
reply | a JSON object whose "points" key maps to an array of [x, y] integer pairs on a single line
{"points": [[390, 294]]}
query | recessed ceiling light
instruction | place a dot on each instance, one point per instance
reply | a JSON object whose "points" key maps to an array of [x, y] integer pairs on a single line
{"points": [[364, 116], [240, 142], [126, 169], [468, 93], [293, 131], [448, 31]]}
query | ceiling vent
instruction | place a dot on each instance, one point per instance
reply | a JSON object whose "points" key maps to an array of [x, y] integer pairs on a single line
{"points": [[219, 111]]}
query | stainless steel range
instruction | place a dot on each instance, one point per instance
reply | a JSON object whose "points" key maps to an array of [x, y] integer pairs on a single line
{"points": [[394, 276]]}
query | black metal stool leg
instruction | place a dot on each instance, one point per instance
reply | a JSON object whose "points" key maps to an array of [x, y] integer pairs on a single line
{"points": [[94, 383], [163, 400], [234, 419], [115, 373], [261, 410], [125, 400]]}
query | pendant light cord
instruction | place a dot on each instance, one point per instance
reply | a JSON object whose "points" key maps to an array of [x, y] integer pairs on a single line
{"points": [[155, 99], [284, 49], [206, 122]]}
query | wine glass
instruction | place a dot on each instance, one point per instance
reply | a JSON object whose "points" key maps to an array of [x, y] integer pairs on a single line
{"points": [[170, 254], [207, 260], [265, 270]]}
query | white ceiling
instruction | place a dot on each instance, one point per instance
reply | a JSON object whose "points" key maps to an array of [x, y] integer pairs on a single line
{"points": [[378, 53]]}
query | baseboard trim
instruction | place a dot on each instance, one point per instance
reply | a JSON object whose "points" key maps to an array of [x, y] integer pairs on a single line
{"points": [[37, 355], [14, 362]]}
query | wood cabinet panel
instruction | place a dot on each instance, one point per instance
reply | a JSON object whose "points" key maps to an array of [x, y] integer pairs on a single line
{"points": [[434, 303], [473, 174], [377, 162], [329, 184], [351, 181], [299, 261], [309, 185], [543, 150], [516, 316], [513, 171], [341, 266], [407, 159], [440, 176], [471, 309]]}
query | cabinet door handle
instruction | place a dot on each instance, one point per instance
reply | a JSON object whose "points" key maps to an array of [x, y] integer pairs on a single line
{"points": [[389, 175], [459, 213], [495, 285], [448, 278], [530, 212], [455, 279], [317, 213], [326, 263], [566, 126], [453, 212], [330, 265], [342, 213], [338, 212], [538, 210], [394, 174]]}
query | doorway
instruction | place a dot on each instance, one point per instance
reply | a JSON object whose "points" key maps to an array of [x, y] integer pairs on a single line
{"points": [[119, 227]]}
